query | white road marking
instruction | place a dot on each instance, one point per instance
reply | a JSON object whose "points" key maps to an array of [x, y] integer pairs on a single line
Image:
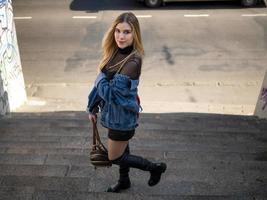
{"points": [[254, 15], [36, 103], [84, 17], [23, 17], [200, 15], [143, 16]]}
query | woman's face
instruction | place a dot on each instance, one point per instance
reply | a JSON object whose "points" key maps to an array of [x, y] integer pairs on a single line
{"points": [[123, 35]]}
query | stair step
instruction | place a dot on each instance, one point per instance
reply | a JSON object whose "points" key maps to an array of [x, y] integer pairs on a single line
{"points": [[42, 127], [191, 162], [206, 122], [34, 170], [170, 154], [94, 183], [39, 135], [29, 193], [33, 159], [16, 193], [163, 145], [140, 135]]}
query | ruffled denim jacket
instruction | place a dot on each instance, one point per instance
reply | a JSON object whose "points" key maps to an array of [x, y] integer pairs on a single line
{"points": [[117, 100]]}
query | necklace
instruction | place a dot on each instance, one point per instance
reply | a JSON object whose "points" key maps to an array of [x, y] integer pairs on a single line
{"points": [[122, 61]]}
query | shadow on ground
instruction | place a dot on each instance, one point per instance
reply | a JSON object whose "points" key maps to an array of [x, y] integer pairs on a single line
{"points": [[101, 5]]}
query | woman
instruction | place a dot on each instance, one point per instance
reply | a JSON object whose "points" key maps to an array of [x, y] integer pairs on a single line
{"points": [[115, 93]]}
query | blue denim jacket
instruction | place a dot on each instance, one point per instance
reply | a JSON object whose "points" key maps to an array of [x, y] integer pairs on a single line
{"points": [[117, 100]]}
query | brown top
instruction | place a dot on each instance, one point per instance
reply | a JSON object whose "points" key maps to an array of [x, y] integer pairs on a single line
{"points": [[131, 68]]}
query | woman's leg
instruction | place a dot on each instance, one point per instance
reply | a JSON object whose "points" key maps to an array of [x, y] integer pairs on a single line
{"points": [[118, 156], [116, 148], [124, 180], [155, 169]]}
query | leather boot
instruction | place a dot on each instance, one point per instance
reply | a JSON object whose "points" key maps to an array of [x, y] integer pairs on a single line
{"points": [[155, 173], [124, 180], [155, 169], [123, 183]]}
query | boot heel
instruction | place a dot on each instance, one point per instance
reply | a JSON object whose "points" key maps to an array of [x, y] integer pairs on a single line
{"points": [[120, 186], [164, 167], [156, 173]]}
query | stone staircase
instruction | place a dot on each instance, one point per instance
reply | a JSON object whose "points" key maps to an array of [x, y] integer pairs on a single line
{"points": [[45, 156]]}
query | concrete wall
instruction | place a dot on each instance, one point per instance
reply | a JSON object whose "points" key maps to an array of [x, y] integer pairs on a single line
{"points": [[12, 87], [261, 107]]}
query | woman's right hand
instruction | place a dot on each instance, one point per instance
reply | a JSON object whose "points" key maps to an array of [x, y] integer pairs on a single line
{"points": [[92, 117]]}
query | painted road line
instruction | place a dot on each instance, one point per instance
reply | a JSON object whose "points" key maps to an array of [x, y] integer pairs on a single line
{"points": [[254, 15], [143, 16], [23, 17], [84, 17], [36, 103], [200, 15]]}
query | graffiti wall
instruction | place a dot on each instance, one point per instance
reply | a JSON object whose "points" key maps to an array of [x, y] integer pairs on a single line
{"points": [[12, 87], [261, 107]]}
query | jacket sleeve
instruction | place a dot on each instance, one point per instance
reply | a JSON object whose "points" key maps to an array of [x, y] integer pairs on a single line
{"points": [[93, 101], [117, 91]]}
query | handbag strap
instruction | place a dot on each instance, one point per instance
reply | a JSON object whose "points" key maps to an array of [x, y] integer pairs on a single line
{"points": [[94, 133], [126, 59], [96, 137]]}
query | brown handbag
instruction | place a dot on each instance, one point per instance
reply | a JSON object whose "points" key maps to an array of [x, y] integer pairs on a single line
{"points": [[99, 153]]}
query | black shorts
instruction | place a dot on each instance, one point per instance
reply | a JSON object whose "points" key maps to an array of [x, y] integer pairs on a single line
{"points": [[120, 135]]}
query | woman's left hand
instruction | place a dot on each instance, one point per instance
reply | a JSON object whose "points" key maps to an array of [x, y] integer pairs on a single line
{"points": [[92, 118]]}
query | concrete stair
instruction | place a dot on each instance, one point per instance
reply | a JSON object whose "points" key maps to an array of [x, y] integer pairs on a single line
{"points": [[45, 156]]}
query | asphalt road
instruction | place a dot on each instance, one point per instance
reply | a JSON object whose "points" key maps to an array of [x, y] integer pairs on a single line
{"points": [[200, 57]]}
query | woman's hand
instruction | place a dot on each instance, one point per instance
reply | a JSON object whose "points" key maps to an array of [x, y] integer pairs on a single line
{"points": [[92, 117]]}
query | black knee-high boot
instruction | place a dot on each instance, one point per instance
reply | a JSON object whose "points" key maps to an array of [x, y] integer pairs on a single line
{"points": [[155, 169], [124, 180]]}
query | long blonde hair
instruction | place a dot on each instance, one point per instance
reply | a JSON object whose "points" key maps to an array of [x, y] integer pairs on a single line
{"points": [[109, 44]]}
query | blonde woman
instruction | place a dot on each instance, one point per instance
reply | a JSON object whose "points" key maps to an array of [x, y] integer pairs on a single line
{"points": [[115, 93]]}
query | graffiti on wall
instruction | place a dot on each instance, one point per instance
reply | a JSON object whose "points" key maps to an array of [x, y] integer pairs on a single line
{"points": [[4, 105], [264, 97], [11, 76], [3, 29]]}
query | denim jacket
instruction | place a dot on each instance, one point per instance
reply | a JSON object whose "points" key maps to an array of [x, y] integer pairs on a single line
{"points": [[117, 100]]}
